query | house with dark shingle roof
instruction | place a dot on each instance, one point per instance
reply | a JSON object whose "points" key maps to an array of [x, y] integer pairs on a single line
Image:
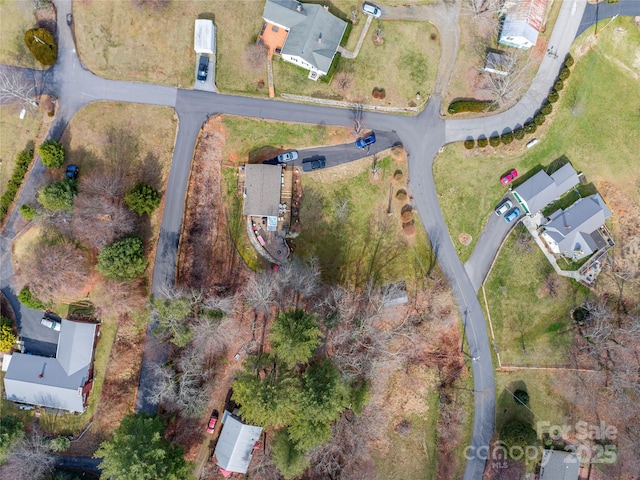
{"points": [[313, 36], [542, 189], [575, 232], [557, 465], [522, 23], [62, 382]]}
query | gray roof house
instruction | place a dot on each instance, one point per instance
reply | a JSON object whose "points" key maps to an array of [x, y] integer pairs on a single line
{"points": [[62, 382], [542, 189], [262, 187], [235, 445], [558, 465], [522, 23], [314, 34], [575, 232]]}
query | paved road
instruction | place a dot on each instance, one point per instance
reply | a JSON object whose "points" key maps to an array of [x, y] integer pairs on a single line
{"points": [[488, 245], [422, 136], [568, 22]]}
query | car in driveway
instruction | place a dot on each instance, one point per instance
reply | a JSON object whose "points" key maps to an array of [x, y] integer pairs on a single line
{"points": [[50, 323], [287, 156], [211, 426], [503, 207], [369, 8], [313, 163], [203, 68], [69, 19], [366, 141], [509, 177], [512, 215]]}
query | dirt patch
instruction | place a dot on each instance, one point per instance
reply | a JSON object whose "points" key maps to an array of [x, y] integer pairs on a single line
{"points": [[207, 256], [117, 397], [465, 239]]}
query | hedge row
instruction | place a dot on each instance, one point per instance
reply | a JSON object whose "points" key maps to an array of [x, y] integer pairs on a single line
{"points": [[19, 171], [538, 119], [459, 106]]}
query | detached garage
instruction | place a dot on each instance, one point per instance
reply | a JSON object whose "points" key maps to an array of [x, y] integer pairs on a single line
{"points": [[204, 38]]}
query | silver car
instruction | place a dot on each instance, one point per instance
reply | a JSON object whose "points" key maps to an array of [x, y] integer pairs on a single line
{"points": [[371, 9], [288, 157], [503, 207], [52, 324]]}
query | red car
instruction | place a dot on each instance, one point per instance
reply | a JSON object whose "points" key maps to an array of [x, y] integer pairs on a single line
{"points": [[509, 177], [212, 422]]}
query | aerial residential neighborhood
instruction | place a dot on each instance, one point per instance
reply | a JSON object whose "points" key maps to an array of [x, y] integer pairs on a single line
{"points": [[280, 239]]}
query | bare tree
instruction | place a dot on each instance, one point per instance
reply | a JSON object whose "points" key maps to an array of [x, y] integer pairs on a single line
{"points": [[255, 56], [99, 220], [31, 459], [342, 81], [55, 268], [16, 89], [357, 118], [478, 7], [259, 292], [506, 87], [353, 14], [299, 277], [378, 37]]}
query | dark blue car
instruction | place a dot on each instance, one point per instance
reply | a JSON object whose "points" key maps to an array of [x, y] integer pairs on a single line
{"points": [[366, 141]]}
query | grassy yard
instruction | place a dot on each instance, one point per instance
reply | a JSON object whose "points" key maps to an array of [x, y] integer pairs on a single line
{"points": [[236, 220], [540, 334], [344, 223], [249, 139], [477, 33], [15, 135], [600, 96], [413, 398], [126, 41], [405, 64], [17, 17]]}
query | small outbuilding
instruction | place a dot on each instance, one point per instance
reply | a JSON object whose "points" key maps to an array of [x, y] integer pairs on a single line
{"points": [[204, 37], [235, 446]]}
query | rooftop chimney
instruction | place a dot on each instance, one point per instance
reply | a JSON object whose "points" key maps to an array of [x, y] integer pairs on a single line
{"points": [[326, 8], [299, 7], [320, 38]]}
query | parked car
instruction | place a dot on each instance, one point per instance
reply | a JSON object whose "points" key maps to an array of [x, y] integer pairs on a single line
{"points": [[69, 19], [72, 172], [512, 215], [503, 207], [371, 9], [203, 67], [509, 177], [50, 323], [366, 141], [287, 157], [212, 422], [313, 163]]}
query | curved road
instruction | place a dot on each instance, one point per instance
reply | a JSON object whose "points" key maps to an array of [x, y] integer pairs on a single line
{"points": [[422, 137]]}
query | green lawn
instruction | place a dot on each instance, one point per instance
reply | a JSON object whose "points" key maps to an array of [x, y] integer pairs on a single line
{"points": [[541, 333], [15, 135], [17, 17], [345, 225], [595, 124], [405, 64], [250, 139], [236, 220]]}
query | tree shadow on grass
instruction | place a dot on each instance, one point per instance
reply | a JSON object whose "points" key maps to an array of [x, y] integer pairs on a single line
{"points": [[508, 408]]}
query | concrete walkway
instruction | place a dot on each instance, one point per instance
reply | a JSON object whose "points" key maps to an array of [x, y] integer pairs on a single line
{"points": [[363, 34]]}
